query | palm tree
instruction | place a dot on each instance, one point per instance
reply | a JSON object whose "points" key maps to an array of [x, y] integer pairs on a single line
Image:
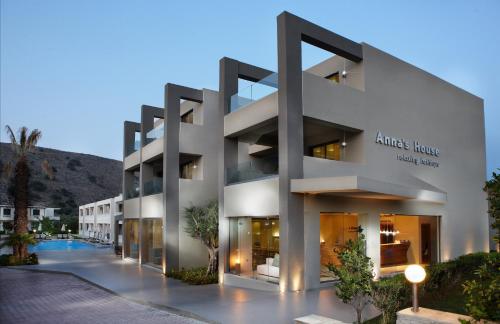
{"points": [[22, 145]]}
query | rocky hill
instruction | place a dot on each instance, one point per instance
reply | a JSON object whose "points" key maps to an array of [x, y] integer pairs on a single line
{"points": [[73, 179]]}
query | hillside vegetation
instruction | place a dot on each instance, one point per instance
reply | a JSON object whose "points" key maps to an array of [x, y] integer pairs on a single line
{"points": [[77, 178]]}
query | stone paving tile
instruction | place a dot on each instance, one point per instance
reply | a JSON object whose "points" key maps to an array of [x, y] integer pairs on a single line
{"points": [[34, 297]]}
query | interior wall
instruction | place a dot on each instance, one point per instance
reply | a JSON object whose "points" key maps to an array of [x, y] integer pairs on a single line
{"points": [[409, 229]]}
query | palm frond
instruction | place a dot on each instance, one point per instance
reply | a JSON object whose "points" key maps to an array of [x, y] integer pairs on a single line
{"points": [[23, 131], [11, 134], [13, 140], [33, 139]]}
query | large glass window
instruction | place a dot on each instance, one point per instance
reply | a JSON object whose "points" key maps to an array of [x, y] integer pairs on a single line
{"points": [[330, 151], [335, 230], [131, 247], [406, 240], [254, 248], [152, 241]]}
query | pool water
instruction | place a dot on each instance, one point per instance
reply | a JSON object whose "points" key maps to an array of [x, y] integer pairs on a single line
{"points": [[60, 245]]}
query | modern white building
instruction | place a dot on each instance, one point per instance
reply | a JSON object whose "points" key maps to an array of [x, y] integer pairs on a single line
{"points": [[35, 215], [101, 219], [305, 160]]}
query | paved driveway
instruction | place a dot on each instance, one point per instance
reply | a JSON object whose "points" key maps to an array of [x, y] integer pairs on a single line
{"points": [[212, 302], [37, 297]]}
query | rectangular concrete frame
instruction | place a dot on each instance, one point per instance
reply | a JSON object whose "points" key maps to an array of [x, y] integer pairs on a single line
{"points": [[173, 95], [292, 30], [148, 115], [129, 130], [230, 71]]}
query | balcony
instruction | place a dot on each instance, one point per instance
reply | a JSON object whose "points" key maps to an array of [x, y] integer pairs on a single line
{"points": [[254, 169], [132, 193], [133, 148], [254, 92], [153, 186], [155, 133]]}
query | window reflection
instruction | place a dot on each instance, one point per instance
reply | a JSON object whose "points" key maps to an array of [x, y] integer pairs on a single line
{"points": [[254, 248]]}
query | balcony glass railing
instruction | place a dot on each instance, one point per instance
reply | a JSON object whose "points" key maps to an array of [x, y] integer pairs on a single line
{"points": [[153, 186], [252, 170], [254, 92], [154, 134], [132, 193], [134, 147]]}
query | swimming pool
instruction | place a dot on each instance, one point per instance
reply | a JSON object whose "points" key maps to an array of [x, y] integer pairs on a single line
{"points": [[60, 245]]}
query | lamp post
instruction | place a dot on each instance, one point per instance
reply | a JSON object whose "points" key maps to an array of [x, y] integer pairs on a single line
{"points": [[415, 274]]}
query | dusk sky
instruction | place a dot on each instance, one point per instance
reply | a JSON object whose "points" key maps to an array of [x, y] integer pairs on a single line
{"points": [[78, 69]]}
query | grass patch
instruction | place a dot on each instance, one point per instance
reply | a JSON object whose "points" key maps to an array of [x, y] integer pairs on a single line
{"points": [[195, 276]]}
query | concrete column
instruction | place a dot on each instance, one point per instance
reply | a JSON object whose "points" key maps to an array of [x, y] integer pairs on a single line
{"points": [[290, 133], [312, 251], [370, 222]]}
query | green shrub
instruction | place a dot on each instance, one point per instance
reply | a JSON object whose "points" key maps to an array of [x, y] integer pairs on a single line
{"points": [[483, 292], [10, 260], [440, 275], [195, 276], [390, 295]]}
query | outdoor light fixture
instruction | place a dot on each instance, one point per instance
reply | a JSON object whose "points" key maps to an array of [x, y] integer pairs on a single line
{"points": [[344, 144], [415, 274], [344, 74]]}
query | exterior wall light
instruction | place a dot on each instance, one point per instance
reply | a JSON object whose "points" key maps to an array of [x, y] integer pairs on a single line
{"points": [[415, 274], [344, 74]]}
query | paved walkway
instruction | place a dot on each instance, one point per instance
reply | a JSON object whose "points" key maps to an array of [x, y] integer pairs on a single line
{"points": [[212, 302], [37, 297]]}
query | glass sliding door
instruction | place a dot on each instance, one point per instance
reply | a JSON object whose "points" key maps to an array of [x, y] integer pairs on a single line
{"points": [[131, 232], [406, 239], [335, 230], [254, 247], [152, 241]]}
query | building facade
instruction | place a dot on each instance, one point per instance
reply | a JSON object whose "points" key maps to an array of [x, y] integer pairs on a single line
{"points": [[304, 160], [169, 164], [35, 215], [102, 220]]}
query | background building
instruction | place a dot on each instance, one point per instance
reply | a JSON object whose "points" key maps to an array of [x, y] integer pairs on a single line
{"points": [[101, 219], [35, 215]]}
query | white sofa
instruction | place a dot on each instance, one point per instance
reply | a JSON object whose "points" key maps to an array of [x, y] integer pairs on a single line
{"points": [[268, 269]]}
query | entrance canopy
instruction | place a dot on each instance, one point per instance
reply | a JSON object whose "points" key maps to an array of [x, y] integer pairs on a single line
{"points": [[363, 187]]}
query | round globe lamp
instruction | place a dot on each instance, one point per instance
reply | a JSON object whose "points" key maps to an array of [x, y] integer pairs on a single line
{"points": [[415, 274]]}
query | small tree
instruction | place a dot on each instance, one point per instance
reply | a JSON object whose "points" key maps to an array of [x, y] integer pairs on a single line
{"points": [[355, 275], [203, 225], [492, 187], [389, 295]]}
